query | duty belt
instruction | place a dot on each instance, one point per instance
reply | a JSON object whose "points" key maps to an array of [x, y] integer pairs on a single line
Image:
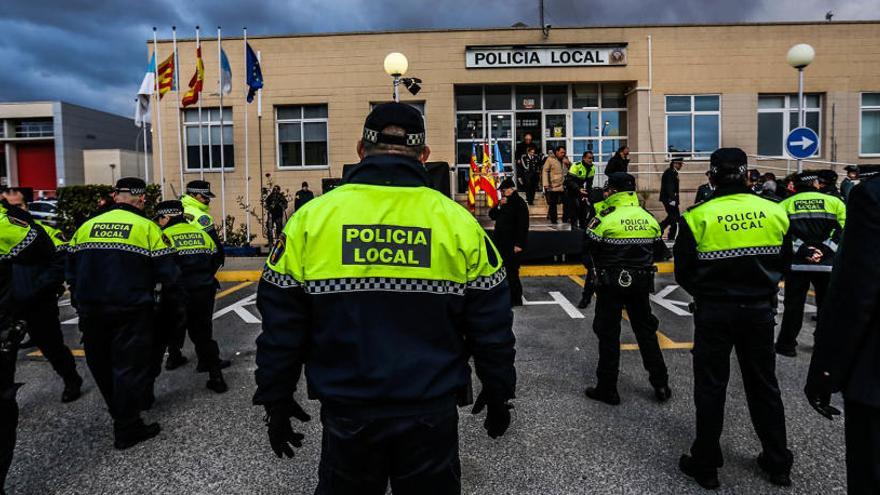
{"points": [[624, 277]]}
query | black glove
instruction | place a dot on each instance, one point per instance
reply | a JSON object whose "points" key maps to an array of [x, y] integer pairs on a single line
{"points": [[818, 392], [281, 434], [497, 415]]}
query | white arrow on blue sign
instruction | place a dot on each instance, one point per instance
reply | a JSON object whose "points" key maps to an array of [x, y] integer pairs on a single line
{"points": [[801, 143]]}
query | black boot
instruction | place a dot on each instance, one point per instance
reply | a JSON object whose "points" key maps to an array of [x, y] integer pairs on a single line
{"points": [[663, 393], [175, 360], [584, 302], [778, 478], [129, 435], [602, 394], [216, 382], [705, 477], [72, 388]]}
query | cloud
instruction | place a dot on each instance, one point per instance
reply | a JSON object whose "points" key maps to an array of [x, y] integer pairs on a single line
{"points": [[93, 52]]}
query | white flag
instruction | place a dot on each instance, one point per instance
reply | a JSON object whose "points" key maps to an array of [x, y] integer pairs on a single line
{"points": [[148, 85]]}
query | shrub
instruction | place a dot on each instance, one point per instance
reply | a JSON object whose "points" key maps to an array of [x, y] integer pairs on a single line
{"points": [[76, 204], [236, 238]]}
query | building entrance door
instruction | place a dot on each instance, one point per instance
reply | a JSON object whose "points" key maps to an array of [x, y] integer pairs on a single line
{"points": [[528, 123], [501, 132]]}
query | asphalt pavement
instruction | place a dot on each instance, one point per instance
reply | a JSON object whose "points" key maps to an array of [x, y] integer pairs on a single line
{"points": [[559, 442]]}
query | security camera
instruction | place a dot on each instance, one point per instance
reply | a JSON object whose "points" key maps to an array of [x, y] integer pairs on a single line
{"points": [[546, 30]]}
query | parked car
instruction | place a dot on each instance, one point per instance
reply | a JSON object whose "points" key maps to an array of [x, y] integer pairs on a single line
{"points": [[45, 210]]}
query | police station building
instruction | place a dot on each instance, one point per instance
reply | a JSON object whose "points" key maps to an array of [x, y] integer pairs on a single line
{"points": [[665, 90]]}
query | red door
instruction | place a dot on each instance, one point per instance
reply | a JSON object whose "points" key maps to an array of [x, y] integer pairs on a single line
{"points": [[36, 166]]}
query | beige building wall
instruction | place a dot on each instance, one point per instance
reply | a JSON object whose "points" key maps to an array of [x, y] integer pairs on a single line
{"points": [[107, 166], [345, 72]]}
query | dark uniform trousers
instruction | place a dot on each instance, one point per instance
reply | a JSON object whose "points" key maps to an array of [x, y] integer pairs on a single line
{"points": [[610, 303], [8, 409], [417, 453], [44, 327], [721, 327], [118, 349], [553, 200], [672, 217], [531, 186], [797, 285], [200, 325], [862, 448], [511, 266], [169, 325]]}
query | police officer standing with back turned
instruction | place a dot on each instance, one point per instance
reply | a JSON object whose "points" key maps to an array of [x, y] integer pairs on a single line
{"points": [[847, 345], [197, 257], [196, 211], [117, 261], [21, 241], [384, 290], [624, 241], [817, 220], [730, 256]]}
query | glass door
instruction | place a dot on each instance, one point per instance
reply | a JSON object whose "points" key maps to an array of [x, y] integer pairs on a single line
{"points": [[501, 132], [556, 126]]}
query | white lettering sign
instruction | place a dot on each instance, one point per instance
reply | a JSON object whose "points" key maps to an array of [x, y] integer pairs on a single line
{"points": [[483, 57]]}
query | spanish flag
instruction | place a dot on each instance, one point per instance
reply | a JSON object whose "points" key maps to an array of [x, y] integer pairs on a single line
{"points": [[473, 185], [166, 75], [191, 97], [487, 180]]}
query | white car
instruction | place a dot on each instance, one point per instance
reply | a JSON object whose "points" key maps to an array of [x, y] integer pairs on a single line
{"points": [[44, 210]]}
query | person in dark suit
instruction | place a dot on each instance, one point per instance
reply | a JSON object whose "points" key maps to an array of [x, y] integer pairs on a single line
{"points": [[619, 162], [705, 191], [847, 341], [669, 185], [511, 216]]}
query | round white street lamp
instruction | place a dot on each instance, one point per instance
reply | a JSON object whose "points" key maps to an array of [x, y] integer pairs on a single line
{"points": [[800, 56], [396, 65]]}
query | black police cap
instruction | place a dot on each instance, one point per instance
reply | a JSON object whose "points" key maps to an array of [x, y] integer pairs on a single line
{"points": [[171, 207], [827, 176], [399, 115], [728, 161], [132, 185], [806, 177], [852, 168], [506, 184], [202, 187], [622, 181]]}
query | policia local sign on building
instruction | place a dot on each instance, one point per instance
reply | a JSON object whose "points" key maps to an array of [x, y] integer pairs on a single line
{"points": [[495, 57]]}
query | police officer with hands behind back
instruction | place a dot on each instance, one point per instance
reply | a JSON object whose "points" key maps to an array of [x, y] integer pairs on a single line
{"points": [[817, 220], [117, 262], [624, 241], [730, 255], [198, 259], [21, 241], [383, 290]]}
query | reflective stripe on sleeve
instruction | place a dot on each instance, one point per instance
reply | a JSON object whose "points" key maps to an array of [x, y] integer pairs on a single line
{"points": [[735, 253]]}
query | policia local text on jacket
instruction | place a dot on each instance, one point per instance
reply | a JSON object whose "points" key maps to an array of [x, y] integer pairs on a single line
{"points": [[846, 354], [21, 241], [116, 261], [383, 289], [624, 241], [730, 255], [817, 221]]}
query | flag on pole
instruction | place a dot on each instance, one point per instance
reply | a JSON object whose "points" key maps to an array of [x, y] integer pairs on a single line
{"points": [[254, 74], [473, 185], [166, 76], [487, 181], [195, 84], [148, 85], [499, 162], [225, 73]]}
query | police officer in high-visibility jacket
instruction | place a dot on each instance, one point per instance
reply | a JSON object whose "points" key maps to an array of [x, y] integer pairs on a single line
{"points": [[730, 256], [37, 289], [384, 289], [196, 208], [578, 183], [198, 259], [116, 261], [817, 221], [21, 241], [624, 241]]}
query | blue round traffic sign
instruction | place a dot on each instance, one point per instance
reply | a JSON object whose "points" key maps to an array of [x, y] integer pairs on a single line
{"points": [[801, 143]]}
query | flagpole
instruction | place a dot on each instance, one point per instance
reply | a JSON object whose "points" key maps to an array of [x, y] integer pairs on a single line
{"points": [[222, 158], [260, 140], [146, 161], [201, 155], [158, 115], [177, 110], [247, 175]]}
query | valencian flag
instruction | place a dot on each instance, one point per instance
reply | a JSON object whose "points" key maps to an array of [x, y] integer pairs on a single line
{"points": [[254, 74], [166, 76], [191, 97], [487, 180], [473, 185]]}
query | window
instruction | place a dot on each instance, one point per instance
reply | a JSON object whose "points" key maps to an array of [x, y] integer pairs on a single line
{"points": [[693, 125], [210, 139], [302, 136], [778, 115], [35, 128], [869, 144]]}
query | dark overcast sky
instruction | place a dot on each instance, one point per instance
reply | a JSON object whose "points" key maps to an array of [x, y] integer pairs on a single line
{"points": [[92, 52]]}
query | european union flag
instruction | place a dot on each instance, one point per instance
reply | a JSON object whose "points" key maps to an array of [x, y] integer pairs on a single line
{"points": [[254, 74]]}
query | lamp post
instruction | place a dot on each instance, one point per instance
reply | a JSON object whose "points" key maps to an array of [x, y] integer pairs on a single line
{"points": [[395, 66], [799, 57]]}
